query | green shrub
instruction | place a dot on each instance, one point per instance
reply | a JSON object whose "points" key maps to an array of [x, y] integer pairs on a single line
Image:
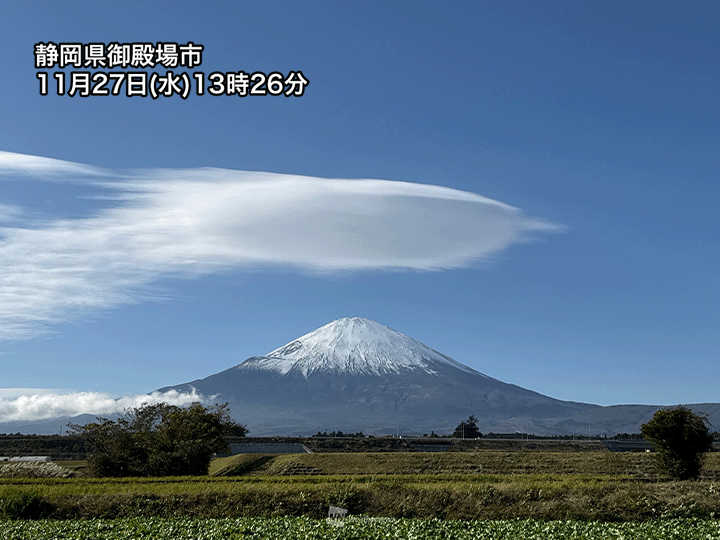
{"points": [[681, 439], [158, 440], [23, 505]]}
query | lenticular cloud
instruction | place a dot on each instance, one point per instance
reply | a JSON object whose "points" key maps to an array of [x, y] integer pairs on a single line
{"points": [[189, 222]]}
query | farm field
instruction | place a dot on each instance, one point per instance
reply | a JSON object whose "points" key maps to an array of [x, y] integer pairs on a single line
{"points": [[635, 465], [303, 528], [489, 485]]}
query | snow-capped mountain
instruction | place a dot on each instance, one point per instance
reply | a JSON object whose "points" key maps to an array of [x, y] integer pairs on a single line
{"points": [[356, 374], [352, 346]]}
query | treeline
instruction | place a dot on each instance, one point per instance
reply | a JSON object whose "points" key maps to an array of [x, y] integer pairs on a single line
{"points": [[338, 433], [73, 447], [530, 436], [468, 429]]}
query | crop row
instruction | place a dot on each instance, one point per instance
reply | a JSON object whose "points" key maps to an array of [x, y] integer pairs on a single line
{"points": [[352, 528], [391, 497]]}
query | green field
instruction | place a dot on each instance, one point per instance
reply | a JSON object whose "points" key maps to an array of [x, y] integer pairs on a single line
{"points": [[303, 528], [487, 485], [638, 466]]}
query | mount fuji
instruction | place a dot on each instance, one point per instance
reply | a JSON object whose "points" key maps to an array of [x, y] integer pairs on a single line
{"points": [[355, 374], [353, 347]]}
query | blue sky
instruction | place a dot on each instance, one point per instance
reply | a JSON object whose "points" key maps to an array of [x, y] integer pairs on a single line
{"points": [[540, 196]]}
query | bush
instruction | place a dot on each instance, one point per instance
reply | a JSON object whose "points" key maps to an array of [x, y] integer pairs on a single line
{"points": [[22, 505], [681, 439], [159, 440]]}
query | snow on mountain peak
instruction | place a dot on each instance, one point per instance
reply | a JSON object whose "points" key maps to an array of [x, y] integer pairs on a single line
{"points": [[353, 346]]}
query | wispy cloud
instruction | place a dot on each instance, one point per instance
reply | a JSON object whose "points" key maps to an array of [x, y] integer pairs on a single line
{"points": [[10, 212], [46, 168], [43, 405], [188, 222]]}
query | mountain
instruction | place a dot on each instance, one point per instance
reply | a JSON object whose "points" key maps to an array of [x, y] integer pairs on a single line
{"points": [[358, 375], [355, 374]]}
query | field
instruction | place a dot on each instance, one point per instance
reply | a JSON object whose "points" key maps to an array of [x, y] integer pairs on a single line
{"points": [[638, 466], [487, 485], [304, 528]]}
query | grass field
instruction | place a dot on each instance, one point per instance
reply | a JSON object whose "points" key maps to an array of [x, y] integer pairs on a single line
{"points": [[613, 487], [639, 466]]}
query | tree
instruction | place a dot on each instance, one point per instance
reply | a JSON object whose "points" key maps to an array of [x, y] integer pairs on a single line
{"points": [[467, 429], [681, 439], [158, 440]]}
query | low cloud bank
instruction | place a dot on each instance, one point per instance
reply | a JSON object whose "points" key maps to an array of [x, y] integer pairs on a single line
{"points": [[43, 406]]}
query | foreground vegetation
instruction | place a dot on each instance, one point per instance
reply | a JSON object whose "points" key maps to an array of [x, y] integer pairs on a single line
{"points": [[681, 440], [158, 440], [486, 494], [587, 486], [347, 529], [426, 497]]}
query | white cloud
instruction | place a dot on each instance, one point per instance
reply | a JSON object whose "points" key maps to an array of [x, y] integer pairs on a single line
{"points": [[10, 212], [186, 222], [42, 405], [45, 168]]}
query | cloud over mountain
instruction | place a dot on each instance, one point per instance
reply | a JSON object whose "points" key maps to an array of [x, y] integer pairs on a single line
{"points": [[189, 222]]}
